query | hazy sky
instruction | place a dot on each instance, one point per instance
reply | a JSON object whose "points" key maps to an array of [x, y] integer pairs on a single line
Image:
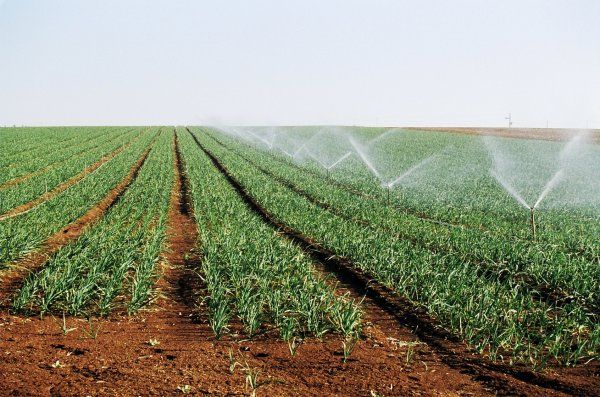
{"points": [[300, 62]]}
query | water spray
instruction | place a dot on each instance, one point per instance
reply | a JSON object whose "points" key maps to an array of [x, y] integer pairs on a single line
{"points": [[330, 167], [567, 152], [414, 168], [287, 153], [365, 160]]}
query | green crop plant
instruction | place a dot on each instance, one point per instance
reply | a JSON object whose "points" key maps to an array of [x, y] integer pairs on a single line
{"points": [[41, 183], [474, 281], [24, 233], [252, 272], [116, 256]]}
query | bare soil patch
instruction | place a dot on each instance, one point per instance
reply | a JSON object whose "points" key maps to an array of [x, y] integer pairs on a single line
{"points": [[546, 134]]}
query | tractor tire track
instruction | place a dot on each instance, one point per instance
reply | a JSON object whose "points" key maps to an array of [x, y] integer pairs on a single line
{"points": [[504, 379]]}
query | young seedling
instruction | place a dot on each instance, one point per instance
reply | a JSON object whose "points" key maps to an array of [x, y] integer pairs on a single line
{"points": [[410, 352], [219, 317], [153, 342], [293, 346], [63, 326], [185, 389], [93, 330], [232, 362], [251, 373], [348, 346], [251, 378]]}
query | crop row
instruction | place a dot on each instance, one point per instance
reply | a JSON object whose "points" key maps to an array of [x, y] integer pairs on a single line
{"points": [[524, 264], [252, 272], [24, 233], [21, 144], [117, 257], [28, 190], [34, 165], [457, 187], [497, 318]]}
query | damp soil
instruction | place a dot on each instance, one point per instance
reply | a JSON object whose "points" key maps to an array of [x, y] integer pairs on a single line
{"points": [[503, 379], [170, 347]]}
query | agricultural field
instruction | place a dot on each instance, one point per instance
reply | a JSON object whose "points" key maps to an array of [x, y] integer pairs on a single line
{"points": [[299, 261]]}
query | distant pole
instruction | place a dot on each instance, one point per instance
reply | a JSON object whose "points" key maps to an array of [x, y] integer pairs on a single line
{"points": [[509, 118]]}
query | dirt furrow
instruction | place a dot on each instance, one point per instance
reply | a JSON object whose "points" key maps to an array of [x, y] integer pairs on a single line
{"points": [[13, 278], [180, 283], [169, 347], [360, 194], [503, 379], [546, 293]]}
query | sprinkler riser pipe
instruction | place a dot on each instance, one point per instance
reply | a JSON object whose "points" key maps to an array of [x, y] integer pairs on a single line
{"points": [[388, 195], [532, 221]]}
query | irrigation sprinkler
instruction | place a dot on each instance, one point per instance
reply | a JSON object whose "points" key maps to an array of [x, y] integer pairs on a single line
{"points": [[330, 167], [568, 152], [550, 185], [532, 221], [388, 194]]}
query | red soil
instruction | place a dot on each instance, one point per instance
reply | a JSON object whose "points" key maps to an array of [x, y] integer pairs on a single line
{"points": [[547, 134], [50, 166], [120, 360], [62, 187], [13, 277]]}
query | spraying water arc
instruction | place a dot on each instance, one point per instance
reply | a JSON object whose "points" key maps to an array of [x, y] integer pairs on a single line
{"points": [[382, 136], [329, 167], [551, 184], [566, 154], [509, 188], [412, 169], [365, 160], [339, 161]]}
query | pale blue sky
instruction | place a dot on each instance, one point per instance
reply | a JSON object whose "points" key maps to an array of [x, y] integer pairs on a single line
{"points": [[300, 62]]}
